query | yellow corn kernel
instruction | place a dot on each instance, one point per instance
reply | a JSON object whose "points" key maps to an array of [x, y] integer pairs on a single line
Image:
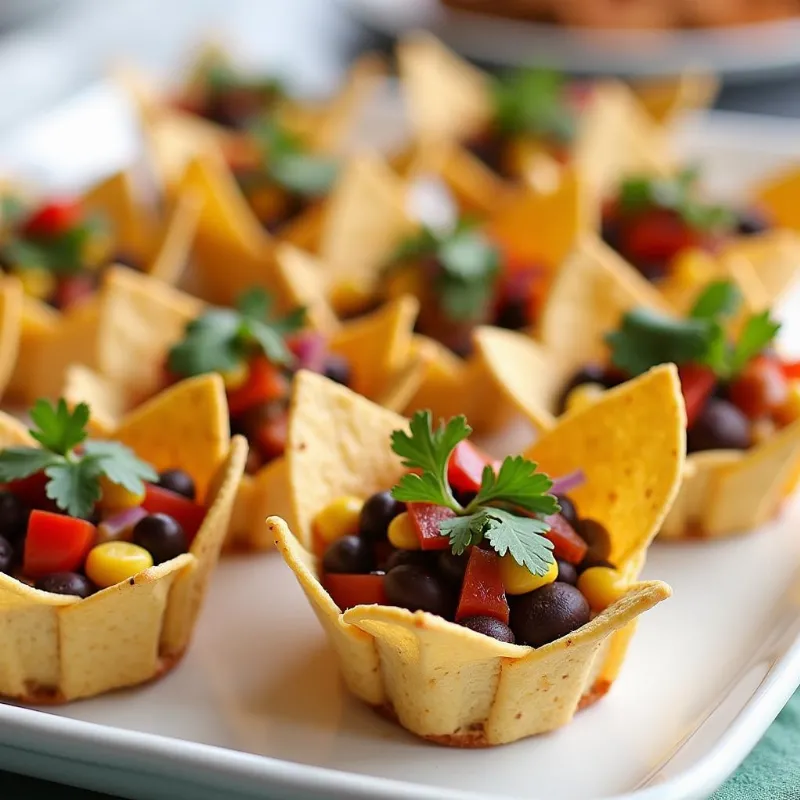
{"points": [[235, 378], [402, 533], [602, 586], [37, 282], [692, 268], [583, 395], [518, 579], [790, 410], [115, 496], [338, 518], [113, 562]]}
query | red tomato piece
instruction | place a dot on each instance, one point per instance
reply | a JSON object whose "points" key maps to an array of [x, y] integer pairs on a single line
{"points": [[271, 437], [355, 590], [72, 290], [265, 382], [761, 389], [187, 513], [465, 467], [32, 491], [657, 235], [791, 369], [54, 218], [482, 593], [567, 545], [56, 543], [697, 385], [426, 518]]}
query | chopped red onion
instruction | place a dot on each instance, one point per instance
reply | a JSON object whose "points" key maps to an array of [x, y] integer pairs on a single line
{"points": [[119, 526], [568, 482], [310, 349]]}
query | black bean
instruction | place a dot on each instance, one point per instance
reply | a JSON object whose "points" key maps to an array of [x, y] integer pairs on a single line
{"points": [[567, 573], [591, 373], [514, 313], [547, 614], [162, 536], [378, 511], [13, 517], [418, 590], [597, 537], [417, 558], [6, 555], [453, 567], [568, 510], [178, 481], [489, 626], [337, 369], [66, 583], [751, 221], [720, 426], [349, 555]]}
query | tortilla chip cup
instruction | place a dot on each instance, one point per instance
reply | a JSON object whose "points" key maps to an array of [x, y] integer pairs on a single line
{"points": [[723, 492], [448, 99], [57, 648], [49, 340], [437, 679], [141, 319]]}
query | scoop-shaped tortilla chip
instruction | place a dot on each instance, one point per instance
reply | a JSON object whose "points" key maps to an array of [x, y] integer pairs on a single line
{"points": [[444, 682], [11, 310], [57, 648]]}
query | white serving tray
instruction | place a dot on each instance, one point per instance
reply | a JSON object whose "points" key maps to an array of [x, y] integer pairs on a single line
{"points": [[256, 708]]}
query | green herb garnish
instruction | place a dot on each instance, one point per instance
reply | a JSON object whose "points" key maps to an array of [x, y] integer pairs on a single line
{"points": [[679, 194], [533, 101], [219, 77], [223, 338], [491, 515], [647, 338], [72, 463], [468, 264], [289, 164]]}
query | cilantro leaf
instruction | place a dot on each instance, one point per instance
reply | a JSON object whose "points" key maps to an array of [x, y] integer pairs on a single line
{"points": [[20, 462], [74, 485], [719, 298], [646, 338], [120, 464], [757, 333], [222, 339], [57, 428], [518, 483], [533, 101], [521, 537], [428, 449]]}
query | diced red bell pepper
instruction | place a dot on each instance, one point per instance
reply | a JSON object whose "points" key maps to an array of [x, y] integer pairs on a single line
{"points": [[567, 545], [697, 385], [355, 590], [791, 369], [465, 468], [482, 593], [426, 518], [187, 513], [761, 389], [265, 382], [74, 289], [657, 235], [33, 491], [56, 543], [54, 218]]}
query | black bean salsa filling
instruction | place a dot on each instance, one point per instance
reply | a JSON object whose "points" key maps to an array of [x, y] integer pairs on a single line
{"points": [[257, 353], [58, 250], [433, 543], [736, 392], [80, 515]]}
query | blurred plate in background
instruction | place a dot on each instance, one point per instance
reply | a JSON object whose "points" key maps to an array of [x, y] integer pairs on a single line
{"points": [[746, 51]]}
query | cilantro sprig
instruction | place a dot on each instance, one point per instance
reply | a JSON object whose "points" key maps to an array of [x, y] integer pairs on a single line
{"points": [[493, 515], [468, 267], [223, 338], [220, 77], [533, 101], [72, 463], [677, 193], [290, 165], [647, 338]]}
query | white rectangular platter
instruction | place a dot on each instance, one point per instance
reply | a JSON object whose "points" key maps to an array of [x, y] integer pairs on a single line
{"points": [[257, 710]]}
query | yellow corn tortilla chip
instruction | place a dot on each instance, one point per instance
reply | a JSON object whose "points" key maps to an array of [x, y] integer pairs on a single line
{"points": [[441, 681], [778, 194], [587, 299], [11, 305], [667, 99], [445, 97], [366, 220], [57, 648], [174, 240]]}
